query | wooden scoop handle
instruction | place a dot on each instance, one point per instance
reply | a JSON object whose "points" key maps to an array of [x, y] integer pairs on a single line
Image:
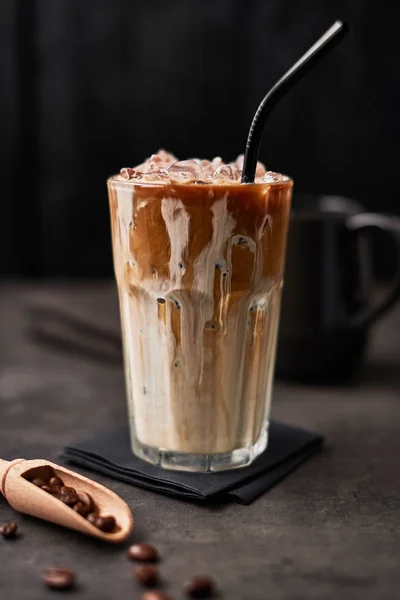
{"points": [[5, 466]]}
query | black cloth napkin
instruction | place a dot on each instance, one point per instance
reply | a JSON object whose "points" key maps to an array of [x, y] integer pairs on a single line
{"points": [[110, 454]]}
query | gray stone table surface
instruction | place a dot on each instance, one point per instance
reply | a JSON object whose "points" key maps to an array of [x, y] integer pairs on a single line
{"points": [[329, 530]]}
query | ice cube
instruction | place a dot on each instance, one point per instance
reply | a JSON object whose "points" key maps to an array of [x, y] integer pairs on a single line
{"points": [[206, 166], [216, 163], [226, 173], [156, 175], [128, 173], [166, 157], [160, 160], [143, 167], [271, 177], [209, 166], [260, 169], [239, 162], [155, 160], [185, 171]]}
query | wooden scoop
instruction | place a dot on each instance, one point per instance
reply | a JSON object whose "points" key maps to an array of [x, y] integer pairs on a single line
{"points": [[25, 497]]}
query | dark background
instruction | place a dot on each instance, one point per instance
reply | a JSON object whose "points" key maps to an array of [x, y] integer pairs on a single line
{"points": [[89, 87]]}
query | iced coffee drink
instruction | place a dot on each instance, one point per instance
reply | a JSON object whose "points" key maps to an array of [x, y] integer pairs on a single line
{"points": [[199, 263]]}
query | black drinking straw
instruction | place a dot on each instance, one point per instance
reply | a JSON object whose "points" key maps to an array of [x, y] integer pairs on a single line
{"points": [[325, 43]]}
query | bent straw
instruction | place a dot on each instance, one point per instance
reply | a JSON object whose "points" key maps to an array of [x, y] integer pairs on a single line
{"points": [[321, 47]]}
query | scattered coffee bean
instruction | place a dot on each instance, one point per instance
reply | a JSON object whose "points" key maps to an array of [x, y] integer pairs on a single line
{"points": [[59, 578], [47, 488], [106, 524], [143, 552], [155, 595], [67, 490], [38, 481], [146, 574], [200, 587], [8, 530], [85, 499], [56, 489], [56, 481]]}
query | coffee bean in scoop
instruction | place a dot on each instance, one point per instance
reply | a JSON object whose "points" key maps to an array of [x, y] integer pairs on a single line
{"points": [[80, 508], [92, 518], [39, 482], [56, 481], [65, 489], [69, 499], [86, 499], [81, 502], [106, 524]]}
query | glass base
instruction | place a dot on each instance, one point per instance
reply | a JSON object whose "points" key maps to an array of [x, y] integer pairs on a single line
{"points": [[203, 463]]}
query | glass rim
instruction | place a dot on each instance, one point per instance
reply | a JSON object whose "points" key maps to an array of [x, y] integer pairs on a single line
{"points": [[115, 179]]}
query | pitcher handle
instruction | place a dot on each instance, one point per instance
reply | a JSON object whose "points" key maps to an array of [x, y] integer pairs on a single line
{"points": [[391, 226]]}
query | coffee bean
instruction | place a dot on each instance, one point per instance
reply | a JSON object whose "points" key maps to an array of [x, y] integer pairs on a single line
{"points": [[56, 489], [38, 481], [106, 524], [47, 488], [143, 552], [99, 522], [67, 490], [92, 518], [56, 481], [80, 508], [155, 595], [69, 499], [146, 575], [200, 587], [8, 530], [59, 578], [85, 499]]}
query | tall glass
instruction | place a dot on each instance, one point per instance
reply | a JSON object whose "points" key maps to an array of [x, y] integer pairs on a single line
{"points": [[199, 270]]}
